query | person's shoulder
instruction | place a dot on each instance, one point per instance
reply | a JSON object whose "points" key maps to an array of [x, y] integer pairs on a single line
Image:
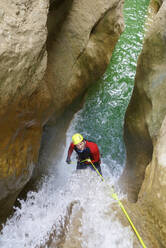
{"points": [[91, 143], [71, 144]]}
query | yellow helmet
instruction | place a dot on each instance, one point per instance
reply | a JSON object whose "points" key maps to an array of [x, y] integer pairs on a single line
{"points": [[77, 138]]}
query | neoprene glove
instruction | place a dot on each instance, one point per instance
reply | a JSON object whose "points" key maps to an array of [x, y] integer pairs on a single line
{"points": [[68, 160]]}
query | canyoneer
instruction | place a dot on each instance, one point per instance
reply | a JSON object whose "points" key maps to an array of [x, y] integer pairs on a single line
{"points": [[86, 150]]}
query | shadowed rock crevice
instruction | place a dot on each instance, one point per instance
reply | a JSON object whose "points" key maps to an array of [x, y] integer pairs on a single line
{"points": [[57, 15], [138, 142]]}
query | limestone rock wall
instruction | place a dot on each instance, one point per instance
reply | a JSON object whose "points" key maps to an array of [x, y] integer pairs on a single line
{"points": [[49, 53], [145, 131], [82, 50], [147, 108], [153, 191], [23, 94]]}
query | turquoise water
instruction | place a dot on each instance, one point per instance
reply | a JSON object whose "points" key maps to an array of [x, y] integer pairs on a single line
{"points": [[102, 116]]}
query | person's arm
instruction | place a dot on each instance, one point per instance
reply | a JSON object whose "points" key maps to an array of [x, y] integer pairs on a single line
{"points": [[94, 152], [71, 147]]}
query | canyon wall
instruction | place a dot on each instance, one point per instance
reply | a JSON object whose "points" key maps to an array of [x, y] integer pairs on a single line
{"points": [[146, 109], [145, 131], [81, 51], [50, 53], [24, 98]]}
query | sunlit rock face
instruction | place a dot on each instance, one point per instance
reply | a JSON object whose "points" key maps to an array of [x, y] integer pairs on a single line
{"points": [[79, 54], [23, 95], [78, 38], [145, 142]]}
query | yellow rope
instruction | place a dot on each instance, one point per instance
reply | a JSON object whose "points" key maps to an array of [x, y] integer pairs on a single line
{"points": [[114, 196], [89, 160]]}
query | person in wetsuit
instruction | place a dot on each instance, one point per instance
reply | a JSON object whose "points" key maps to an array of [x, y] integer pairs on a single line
{"points": [[85, 150]]}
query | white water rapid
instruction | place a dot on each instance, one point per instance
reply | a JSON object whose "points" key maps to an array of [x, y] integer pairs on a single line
{"points": [[75, 206]]}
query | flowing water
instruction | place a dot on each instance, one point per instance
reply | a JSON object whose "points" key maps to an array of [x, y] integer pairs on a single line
{"points": [[75, 209]]}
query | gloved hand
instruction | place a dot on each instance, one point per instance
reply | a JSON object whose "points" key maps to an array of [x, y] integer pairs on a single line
{"points": [[68, 160]]}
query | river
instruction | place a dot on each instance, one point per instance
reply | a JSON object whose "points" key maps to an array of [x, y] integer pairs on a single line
{"points": [[75, 209]]}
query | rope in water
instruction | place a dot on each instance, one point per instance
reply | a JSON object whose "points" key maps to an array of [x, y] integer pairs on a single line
{"points": [[114, 196]]}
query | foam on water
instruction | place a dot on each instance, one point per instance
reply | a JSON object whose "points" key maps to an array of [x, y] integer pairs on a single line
{"points": [[31, 225], [45, 210]]}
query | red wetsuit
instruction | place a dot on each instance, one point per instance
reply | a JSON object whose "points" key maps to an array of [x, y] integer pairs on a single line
{"points": [[91, 151]]}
